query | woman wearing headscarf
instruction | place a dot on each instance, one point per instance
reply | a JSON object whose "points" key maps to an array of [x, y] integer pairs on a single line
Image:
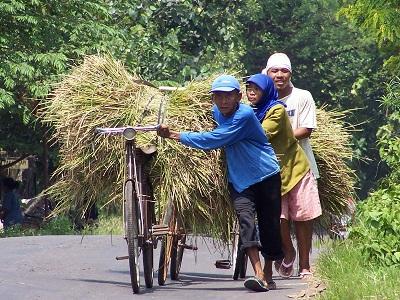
{"points": [[295, 169]]}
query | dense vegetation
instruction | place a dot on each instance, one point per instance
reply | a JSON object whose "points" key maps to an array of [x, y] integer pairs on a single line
{"points": [[176, 41], [377, 228], [373, 250], [345, 52]]}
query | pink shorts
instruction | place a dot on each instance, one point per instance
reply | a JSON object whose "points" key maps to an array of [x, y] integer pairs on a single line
{"points": [[302, 203]]}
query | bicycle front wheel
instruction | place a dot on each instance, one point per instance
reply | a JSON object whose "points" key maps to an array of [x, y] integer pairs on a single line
{"points": [[147, 251], [132, 235]]}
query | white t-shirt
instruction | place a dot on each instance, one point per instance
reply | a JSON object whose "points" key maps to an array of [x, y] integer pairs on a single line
{"points": [[300, 107]]}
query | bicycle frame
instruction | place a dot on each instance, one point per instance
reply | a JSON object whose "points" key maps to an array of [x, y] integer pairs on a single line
{"points": [[135, 161], [138, 213]]}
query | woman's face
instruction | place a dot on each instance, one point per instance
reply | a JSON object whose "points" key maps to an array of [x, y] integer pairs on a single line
{"points": [[254, 93]]}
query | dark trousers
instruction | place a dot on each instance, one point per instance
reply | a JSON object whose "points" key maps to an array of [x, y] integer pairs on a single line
{"points": [[263, 199]]}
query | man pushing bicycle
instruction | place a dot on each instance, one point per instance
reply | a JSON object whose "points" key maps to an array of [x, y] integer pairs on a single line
{"points": [[253, 173]]}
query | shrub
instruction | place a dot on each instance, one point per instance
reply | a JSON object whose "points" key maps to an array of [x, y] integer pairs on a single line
{"points": [[377, 227]]}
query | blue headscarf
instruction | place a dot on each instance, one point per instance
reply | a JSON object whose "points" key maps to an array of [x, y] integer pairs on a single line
{"points": [[269, 95]]}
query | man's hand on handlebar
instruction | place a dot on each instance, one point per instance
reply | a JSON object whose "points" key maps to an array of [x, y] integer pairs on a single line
{"points": [[163, 131]]}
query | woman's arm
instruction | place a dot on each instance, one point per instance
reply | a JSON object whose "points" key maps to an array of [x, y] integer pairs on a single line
{"points": [[273, 121]]}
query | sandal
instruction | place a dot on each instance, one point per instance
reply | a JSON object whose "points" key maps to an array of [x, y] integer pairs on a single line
{"points": [[305, 275], [286, 270], [255, 284]]}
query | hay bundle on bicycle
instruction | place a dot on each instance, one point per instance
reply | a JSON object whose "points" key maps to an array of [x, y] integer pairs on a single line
{"points": [[101, 93]]}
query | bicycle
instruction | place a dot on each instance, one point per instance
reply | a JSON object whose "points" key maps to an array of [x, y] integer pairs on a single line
{"points": [[140, 225], [138, 209]]}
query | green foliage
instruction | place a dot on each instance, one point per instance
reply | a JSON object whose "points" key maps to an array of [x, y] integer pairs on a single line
{"points": [[57, 226], [376, 231], [382, 20], [180, 40], [106, 224], [23, 134], [389, 142], [62, 225], [40, 40], [349, 275], [389, 134]]}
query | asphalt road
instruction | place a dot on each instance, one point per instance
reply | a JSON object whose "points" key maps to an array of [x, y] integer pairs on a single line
{"points": [[67, 267]]}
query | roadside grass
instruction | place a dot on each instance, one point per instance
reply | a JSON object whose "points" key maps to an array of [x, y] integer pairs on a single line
{"points": [[105, 225], [350, 276], [57, 226], [62, 225]]}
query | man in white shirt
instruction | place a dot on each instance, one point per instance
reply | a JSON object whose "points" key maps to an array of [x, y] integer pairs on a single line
{"points": [[302, 114]]}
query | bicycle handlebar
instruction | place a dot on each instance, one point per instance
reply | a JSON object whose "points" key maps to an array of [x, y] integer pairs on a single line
{"points": [[120, 130]]}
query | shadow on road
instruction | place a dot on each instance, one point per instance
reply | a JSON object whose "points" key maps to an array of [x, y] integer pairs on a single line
{"points": [[204, 277]]}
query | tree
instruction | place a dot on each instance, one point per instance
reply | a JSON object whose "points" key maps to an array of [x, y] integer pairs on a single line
{"points": [[177, 41], [331, 58], [41, 41], [380, 19]]}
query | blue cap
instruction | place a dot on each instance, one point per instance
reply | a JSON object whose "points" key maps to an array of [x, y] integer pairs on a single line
{"points": [[225, 83]]}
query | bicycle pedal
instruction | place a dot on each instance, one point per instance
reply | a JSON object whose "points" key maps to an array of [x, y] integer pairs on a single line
{"points": [[189, 247], [223, 264], [121, 257]]}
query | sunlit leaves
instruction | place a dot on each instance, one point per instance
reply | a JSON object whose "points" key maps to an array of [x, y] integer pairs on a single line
{"points": [[381, 19]]}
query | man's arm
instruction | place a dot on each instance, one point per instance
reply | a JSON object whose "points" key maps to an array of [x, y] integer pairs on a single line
{"points": [[302, 133], [307, 117], [223, 135]]}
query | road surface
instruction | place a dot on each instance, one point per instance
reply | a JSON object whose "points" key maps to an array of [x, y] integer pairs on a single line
{"points": [[69, 267]]}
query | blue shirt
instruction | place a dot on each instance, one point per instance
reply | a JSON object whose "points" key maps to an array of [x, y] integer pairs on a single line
{"points": [[249, 155]]}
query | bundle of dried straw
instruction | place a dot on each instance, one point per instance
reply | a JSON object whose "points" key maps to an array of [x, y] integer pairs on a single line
{"points": [[101, 93]]}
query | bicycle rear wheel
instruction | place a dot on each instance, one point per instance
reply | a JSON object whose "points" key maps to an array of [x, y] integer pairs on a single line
{"points": [[166, 245], [132, 235], [165, 256], [177, 255]]}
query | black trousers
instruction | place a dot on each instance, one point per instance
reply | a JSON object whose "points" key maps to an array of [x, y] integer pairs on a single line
{"points": [[263, 199]]}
